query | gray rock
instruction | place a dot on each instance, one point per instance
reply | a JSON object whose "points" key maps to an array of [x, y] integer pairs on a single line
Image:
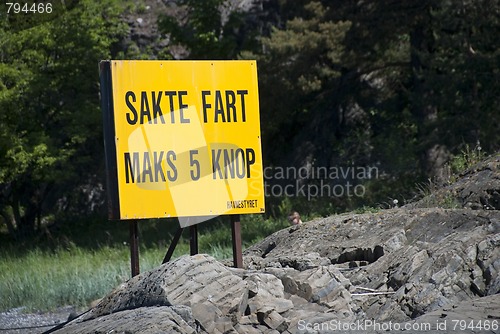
{"points": [[273, 320], [186, 281], [147, 320], [477, 188], [423, 258]]}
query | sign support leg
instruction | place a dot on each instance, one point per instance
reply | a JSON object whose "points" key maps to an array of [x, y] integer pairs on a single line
{"points": [[134, 247], [193, 241], [236, 236], [171, 249]]}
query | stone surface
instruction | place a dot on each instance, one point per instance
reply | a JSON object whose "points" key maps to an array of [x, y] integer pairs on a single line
{"points": [[149, 319], [477, 188]]}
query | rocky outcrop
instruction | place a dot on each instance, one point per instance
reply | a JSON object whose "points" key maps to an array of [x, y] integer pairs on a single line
{"points": [[399, 266], [193, 294], [423, 258], [477, 188]]}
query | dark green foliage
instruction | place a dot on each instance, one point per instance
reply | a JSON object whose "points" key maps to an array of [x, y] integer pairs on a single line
{"points": [[464, 72], [399, 85], [403, 86], [50, 121], [207, 28]]}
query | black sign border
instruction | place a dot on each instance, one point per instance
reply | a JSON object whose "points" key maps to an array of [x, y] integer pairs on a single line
{"points": [[108, 117]]}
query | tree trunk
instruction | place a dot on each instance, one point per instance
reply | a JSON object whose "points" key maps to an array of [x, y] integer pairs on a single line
{"points": [[433, 154], [10, 222], [25, 222]]}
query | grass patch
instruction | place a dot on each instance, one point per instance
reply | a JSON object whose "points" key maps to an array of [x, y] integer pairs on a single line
{"points": [[42, 280]]}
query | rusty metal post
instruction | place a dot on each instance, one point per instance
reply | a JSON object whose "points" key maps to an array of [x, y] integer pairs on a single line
{"points": [[134, 248], [236, 236], [193, 241], [171, 249]]}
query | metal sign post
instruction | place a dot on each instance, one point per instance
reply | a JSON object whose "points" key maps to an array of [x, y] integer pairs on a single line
{"points": [[174, 242], [236, 236], [193, 240], [134, 248]]}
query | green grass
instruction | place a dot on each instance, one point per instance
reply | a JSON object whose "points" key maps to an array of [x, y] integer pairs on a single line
{"points": [[468, 158], [45, 280], [85, 260]]}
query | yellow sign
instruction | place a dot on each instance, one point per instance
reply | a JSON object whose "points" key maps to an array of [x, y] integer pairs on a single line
{"points": [[182, 138]]}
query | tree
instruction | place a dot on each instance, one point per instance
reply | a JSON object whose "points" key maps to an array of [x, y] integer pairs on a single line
{"points": [[301, 68], [446, 88], [397, 84], [462, 72], [50, 123], [208, 29]]}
